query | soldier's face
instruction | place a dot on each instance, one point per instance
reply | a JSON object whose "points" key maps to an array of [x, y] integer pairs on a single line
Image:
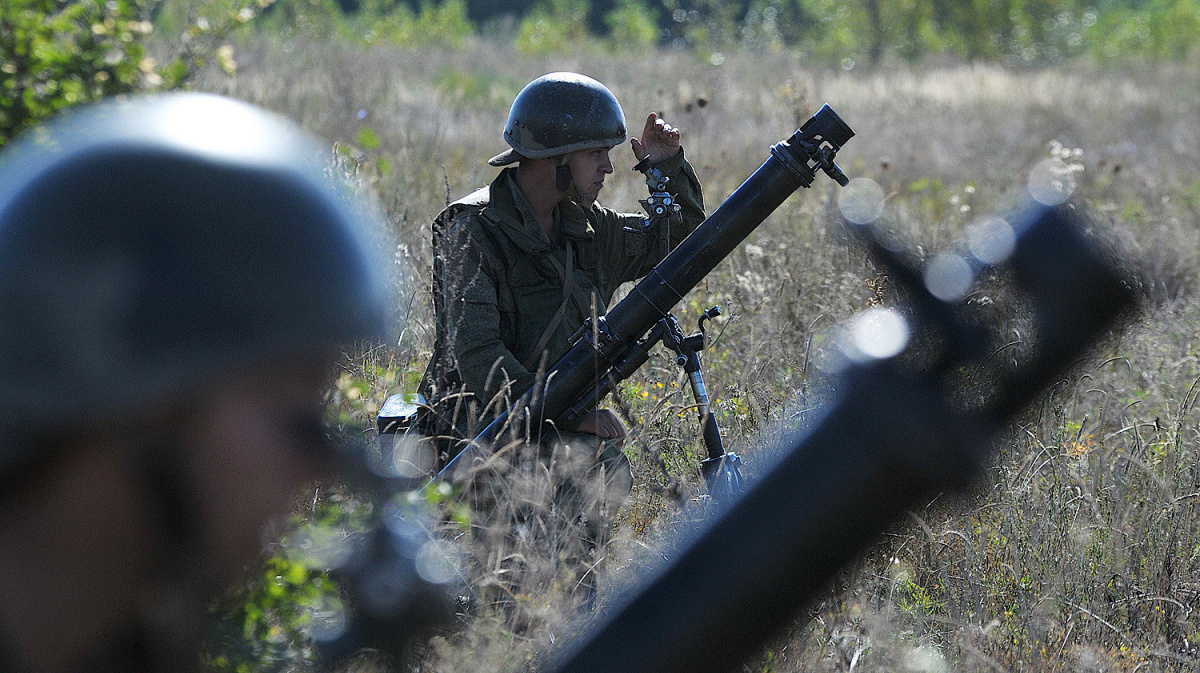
{"points": [[588, 168], [253, 444]]}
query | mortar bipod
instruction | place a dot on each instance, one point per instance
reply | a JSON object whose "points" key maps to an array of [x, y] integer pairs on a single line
{"points": [[722, 470]]}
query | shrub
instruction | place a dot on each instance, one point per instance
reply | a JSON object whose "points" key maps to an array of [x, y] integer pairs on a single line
{"points": [[55, 54], [632, 26], [443, 23], [553, 27]]}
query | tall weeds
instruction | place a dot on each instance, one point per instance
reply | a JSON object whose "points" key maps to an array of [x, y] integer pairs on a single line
{"points": [[1081, 549]]}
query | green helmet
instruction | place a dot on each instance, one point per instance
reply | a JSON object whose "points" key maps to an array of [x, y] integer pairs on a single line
{"points": [[559, 113], [155, 243]]}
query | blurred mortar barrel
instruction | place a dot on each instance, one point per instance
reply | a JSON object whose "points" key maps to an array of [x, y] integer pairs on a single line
{"points": [[890, 440]]}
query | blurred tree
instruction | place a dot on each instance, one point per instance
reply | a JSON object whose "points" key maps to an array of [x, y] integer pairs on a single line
{"points": [[1147, 29], [315, 18], [444, 23], [632, 26], [837, 31], [707, 25], [553, 26], [58, 53], [845, 32], [483, 11]]}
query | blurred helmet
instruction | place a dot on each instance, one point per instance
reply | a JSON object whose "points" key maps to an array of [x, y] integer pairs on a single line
{"points": [[152, 244], [559, 113]]}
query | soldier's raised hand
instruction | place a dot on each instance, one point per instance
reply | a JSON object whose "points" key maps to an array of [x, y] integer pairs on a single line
{"points": [[659, 140]]}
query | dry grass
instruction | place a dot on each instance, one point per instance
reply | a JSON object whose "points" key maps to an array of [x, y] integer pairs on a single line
{"points": [[1081, 551]]}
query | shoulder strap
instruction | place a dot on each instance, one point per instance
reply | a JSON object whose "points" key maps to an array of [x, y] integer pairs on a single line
{"points": [[571, 291], [534, 358], [582, 302]]}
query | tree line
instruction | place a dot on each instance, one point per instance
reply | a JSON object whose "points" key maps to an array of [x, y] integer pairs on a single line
{"points": [[56, 53], [864, 31]]}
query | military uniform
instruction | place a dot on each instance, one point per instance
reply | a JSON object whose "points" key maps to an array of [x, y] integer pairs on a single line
{"points": [[499, 285]]}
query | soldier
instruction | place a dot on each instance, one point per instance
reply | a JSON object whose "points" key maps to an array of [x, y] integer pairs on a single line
{"points": [[176, 276], [520, 264], [523, 262]]}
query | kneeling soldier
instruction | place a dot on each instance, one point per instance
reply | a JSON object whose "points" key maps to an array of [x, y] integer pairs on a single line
{"points": [[522, 263]]}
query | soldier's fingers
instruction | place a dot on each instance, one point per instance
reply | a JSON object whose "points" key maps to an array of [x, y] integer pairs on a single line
{"points": [[651, 120], [667, 132], [615, 427], [639, 150], [604, 421]]}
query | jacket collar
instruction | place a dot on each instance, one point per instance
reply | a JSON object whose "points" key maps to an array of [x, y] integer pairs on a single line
{"points": [[519, 223]]}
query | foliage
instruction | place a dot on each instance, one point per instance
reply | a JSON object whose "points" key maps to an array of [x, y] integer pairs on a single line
{"points": [[631, 26], [276, 609], [55, 54], [434, 24], [704, 25], [392, 22], [831, 30], [320, 19], [1164, 29], [839, 32], [554, 26], [269, 618]]}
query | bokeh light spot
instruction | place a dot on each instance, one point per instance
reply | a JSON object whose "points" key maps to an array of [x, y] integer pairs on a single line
{"points": [[434, 563], [861, 201], [991, 240], [948, 277], [1051, 182], [879, 333], [327, 619]]}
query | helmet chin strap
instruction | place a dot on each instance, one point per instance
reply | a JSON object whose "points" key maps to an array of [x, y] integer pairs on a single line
{"points": [[565, 183], [562, 175]]}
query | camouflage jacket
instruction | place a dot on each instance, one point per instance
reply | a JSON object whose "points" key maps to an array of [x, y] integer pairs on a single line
{"points": [[498, 284]]}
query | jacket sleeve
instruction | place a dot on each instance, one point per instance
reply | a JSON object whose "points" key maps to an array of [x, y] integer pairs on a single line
{"points": [[472, 313], [626, 250]]}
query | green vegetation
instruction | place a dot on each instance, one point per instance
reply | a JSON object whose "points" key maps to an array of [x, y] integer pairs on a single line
{"points": [[846, 33], [55, 54]]}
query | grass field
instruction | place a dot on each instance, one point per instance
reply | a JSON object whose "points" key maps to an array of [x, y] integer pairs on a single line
{"points": [[1081, 548]]}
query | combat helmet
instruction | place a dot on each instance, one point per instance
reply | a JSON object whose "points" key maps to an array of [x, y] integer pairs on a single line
{"points": [[154, 243], [559, 113]]}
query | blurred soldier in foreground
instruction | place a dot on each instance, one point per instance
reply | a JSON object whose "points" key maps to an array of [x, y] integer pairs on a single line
{"points": [[175, 278], [523, 262]]}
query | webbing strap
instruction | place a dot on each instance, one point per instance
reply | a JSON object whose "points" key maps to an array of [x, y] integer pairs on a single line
{"points": [[570, 290], [582, 301]]}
